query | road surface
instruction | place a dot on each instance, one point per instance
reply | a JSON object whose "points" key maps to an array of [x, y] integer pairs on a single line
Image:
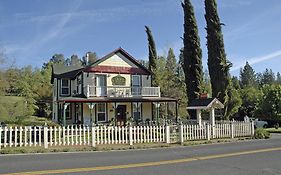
{"points": [[246, 157]]}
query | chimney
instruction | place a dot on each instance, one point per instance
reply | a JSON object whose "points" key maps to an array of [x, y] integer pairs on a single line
{"points": [[203, 96]]}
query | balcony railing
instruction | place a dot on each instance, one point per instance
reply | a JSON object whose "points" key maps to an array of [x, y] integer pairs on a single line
{"points": [[121, 91]]}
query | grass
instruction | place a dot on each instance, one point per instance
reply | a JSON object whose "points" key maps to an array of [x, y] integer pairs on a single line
{"points": [[21, 150], [273, 130]]}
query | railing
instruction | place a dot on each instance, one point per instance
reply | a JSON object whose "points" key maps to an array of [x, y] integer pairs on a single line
{"points": [[96, 135], [121, 91]]}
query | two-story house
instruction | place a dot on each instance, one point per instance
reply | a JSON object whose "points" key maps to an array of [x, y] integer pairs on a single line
{"points": [[115, 89]]}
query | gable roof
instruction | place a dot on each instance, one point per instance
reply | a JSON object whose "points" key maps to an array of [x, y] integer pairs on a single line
{"points": [[124, 53], [205, 103], [62, 71]]}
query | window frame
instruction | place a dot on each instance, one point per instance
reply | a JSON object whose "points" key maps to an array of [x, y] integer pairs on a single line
{"points": [[62, 87], [101, 112], [137, 108]]}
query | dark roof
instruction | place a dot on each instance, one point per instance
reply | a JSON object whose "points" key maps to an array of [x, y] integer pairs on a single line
{"points": [[123, 52], [201, 102], [62, 71], [205, 103], [117, 99]]}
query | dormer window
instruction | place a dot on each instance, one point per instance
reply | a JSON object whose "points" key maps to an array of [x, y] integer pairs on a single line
{"points": [[65, 87]]}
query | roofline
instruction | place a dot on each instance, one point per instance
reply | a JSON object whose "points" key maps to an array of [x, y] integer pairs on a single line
{"points": [[120, 49]]}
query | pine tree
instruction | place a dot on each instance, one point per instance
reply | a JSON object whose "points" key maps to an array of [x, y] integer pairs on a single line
{"points": [[171, 63], [247, 76], [267, 77], [217, 63], [152, 54], [278, 78], [192, 53], [89, 58]]}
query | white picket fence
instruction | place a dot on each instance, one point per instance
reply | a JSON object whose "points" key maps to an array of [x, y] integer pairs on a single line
{"points": [[97, 135]]}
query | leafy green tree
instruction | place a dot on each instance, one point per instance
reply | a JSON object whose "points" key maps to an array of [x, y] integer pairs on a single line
{"points": [[171, 63], [250, 97], [89, 58], [269, 105], [217, 62], [192, 55], [235, 83], [247, 76], [152, 54], [206, 85]]}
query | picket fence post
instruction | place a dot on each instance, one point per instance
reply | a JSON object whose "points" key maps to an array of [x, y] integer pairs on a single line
{"points": [[232, 129], [45, 137], [130, 135], [208, 131], [181, 134], [167, 134], [93, 137], [252, 128]]}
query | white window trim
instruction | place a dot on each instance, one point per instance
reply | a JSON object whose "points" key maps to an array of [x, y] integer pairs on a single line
{"points": [[139, 85], [139, 106], [61, 86], [101, 112]]}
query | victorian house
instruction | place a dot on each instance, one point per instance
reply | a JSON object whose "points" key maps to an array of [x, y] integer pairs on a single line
{"points": [[113, 90]]}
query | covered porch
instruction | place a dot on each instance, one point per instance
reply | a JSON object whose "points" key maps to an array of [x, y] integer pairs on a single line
{"points": [[115, 111]]}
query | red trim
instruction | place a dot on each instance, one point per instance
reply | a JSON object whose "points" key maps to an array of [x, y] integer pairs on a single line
{"points": [[116, 69]]}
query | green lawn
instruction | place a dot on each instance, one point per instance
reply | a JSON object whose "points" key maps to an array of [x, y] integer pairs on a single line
{"points": [[273, 130]]}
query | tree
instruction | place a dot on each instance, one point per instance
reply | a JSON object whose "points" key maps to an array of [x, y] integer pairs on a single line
{"points": [[192, 54], [171, 63], [267, 77], [247, 76], [75, 61], [278, 78], [269, 105], [58, 58], [250, 97], [217, 62], [89, 58], [152, 54]]}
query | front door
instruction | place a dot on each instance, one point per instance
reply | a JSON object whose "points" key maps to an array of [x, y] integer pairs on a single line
{"points": [[101, 85], [121, 115]]}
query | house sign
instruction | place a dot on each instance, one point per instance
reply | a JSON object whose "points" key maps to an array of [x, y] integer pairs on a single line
{"points": [[118, 80]]}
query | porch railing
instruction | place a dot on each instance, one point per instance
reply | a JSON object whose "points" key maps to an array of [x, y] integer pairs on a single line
{"points": [[121, 91]]}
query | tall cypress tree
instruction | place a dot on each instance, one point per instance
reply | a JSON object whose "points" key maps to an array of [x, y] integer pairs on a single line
{"points": [[152, 54], [217, 63], [192, 54]]}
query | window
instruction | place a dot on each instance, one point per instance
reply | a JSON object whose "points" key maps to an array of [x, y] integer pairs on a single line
{"points": [[136, 83], [65, 87], [101, 112], [67, 113], [137, 111]]}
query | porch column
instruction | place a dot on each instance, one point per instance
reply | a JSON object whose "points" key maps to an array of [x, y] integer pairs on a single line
{"points": [[198, 115], [65, 105], [212, 117], [91, 107], [176, 111], [157, 106]]}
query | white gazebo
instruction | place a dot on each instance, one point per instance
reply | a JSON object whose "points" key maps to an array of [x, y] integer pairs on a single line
{"points": [[209, 104]]}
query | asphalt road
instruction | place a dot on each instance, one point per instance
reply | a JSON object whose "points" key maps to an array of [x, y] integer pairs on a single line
{"points": [[248, 158]]}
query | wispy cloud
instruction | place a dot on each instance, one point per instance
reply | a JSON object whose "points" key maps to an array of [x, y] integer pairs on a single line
{"points": [[256, 60], [32, 47]]}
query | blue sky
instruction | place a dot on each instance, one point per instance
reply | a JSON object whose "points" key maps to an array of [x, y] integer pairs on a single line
{"points": [[31, 31]]}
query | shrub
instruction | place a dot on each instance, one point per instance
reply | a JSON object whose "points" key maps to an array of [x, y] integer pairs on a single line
{"points": [[261, 133]]}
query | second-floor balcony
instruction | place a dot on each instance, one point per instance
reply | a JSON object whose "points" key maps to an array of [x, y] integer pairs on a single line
{"points": [[121, 91]]}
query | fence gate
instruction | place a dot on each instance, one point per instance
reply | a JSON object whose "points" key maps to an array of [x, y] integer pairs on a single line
{"points": [[174, 134]]}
